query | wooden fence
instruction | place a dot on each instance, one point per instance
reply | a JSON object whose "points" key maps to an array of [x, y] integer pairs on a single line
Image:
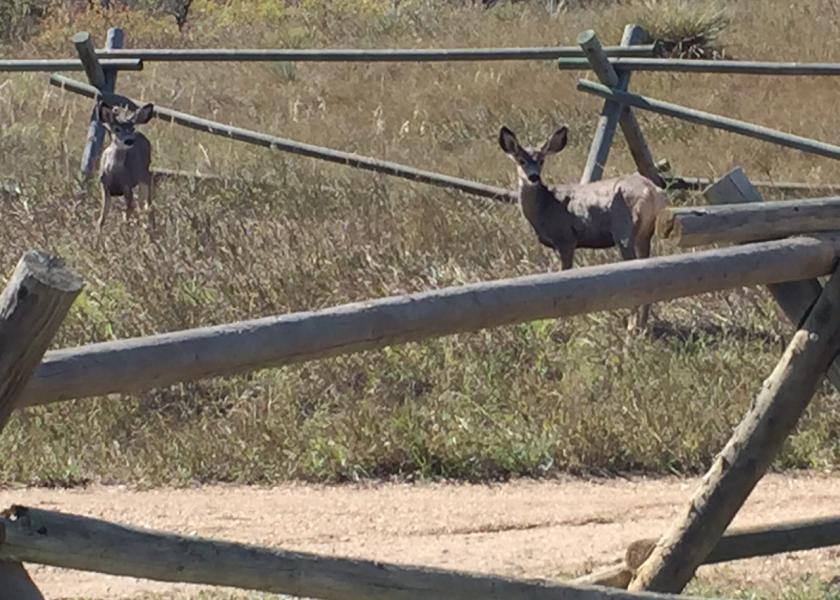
{"points": [[612, 65], [41, 291]]}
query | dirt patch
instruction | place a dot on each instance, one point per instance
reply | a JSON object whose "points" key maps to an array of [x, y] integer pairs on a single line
{"points": [[526, 528]]}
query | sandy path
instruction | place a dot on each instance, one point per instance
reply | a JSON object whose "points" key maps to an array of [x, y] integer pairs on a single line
{"points": [[535, 529]]}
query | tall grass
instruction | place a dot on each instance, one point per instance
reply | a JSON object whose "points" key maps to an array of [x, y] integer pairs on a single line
{"points": [[291, 234]]}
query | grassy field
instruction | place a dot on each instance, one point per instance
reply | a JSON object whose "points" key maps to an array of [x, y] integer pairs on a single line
{"points": [[291, 233]]}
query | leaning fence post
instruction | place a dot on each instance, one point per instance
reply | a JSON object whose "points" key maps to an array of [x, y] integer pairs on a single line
{"points": [[753, 446], [32, 307], [614, 113], [96, 133]]}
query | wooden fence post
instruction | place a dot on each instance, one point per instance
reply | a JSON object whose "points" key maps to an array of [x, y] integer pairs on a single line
{"points": [[746, 457], [96, 132], [614, 113], [795, 298], [32, 307]]}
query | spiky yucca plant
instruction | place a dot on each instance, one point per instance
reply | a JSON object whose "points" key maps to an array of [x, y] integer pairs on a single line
{"points": [[686, 29]]}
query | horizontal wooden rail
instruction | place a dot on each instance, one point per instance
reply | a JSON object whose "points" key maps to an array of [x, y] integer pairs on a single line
{"points": [[738, 223], [739, 67], [678, 182], [736, 544], [712, 120], [51, 538], [138, 364], [372, 55], [309, 150], [749, 542], [67, 64]]}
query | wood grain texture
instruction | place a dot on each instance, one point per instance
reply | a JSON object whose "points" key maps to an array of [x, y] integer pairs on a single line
{"points": [[133, 365], [32, 306], [747, 222], [755, 443], [69, 541]]}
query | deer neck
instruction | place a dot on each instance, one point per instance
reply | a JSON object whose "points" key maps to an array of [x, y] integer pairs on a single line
{"points": [[534, 199]]}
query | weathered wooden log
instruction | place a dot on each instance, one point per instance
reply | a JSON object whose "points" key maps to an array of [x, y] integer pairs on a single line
{"points": [[738, 223], [680, 182], [750, 451], [133, 365], [372, 55], [700, 117], [308, 150], [734, 67], [795, 298], [74, 542], [32, 306], [613, 113], [87, 54], [749, 542], [96, 131], [65, 64], [617, 576]]}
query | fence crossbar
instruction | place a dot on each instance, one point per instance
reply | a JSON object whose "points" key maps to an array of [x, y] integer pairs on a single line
{"points": [[371, 55], [309, 150]]}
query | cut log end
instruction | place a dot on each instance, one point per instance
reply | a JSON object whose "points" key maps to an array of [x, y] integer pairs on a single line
{"points": [[81, 37], [587, 38], [638, 552], [51, 272], [667, 226]]}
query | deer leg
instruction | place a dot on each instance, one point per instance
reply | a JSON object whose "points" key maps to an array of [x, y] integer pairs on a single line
{"points": [[624, 234], [150, 211], [129, 204], [567, 255], [103, 212], [643, 251]]}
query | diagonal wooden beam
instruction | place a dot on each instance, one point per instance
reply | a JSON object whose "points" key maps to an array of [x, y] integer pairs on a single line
{"points": [[96, 131], [747, 456], [32, 306], [614, 113]]}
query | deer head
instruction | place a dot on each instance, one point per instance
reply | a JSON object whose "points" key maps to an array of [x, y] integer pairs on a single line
{"points": [[121, 125], [529, 161]]}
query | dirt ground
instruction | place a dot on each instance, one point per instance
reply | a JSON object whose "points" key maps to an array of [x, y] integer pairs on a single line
{"points": [[525, 528]]}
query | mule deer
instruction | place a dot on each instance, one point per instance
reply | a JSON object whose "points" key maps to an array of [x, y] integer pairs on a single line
{"points": [[125, 162], [614, 212]]}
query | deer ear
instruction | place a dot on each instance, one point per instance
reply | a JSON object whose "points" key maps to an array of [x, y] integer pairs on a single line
{"points": [[105, 113], [144, 114], [508, 141], [556, 142]]}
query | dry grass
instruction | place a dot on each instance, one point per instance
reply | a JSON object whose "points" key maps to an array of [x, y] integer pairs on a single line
{"points": [[533, 399]]}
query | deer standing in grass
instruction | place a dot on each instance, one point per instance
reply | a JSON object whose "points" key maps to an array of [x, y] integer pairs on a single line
{"points": [[614, 212], [126, 161]]}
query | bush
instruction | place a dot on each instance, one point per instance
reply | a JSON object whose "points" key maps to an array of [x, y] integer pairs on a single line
{"points": [[686, 29]]}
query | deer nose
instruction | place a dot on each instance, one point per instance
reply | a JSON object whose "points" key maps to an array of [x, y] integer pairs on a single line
{"points": [[533, 177], [129, 142]]}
